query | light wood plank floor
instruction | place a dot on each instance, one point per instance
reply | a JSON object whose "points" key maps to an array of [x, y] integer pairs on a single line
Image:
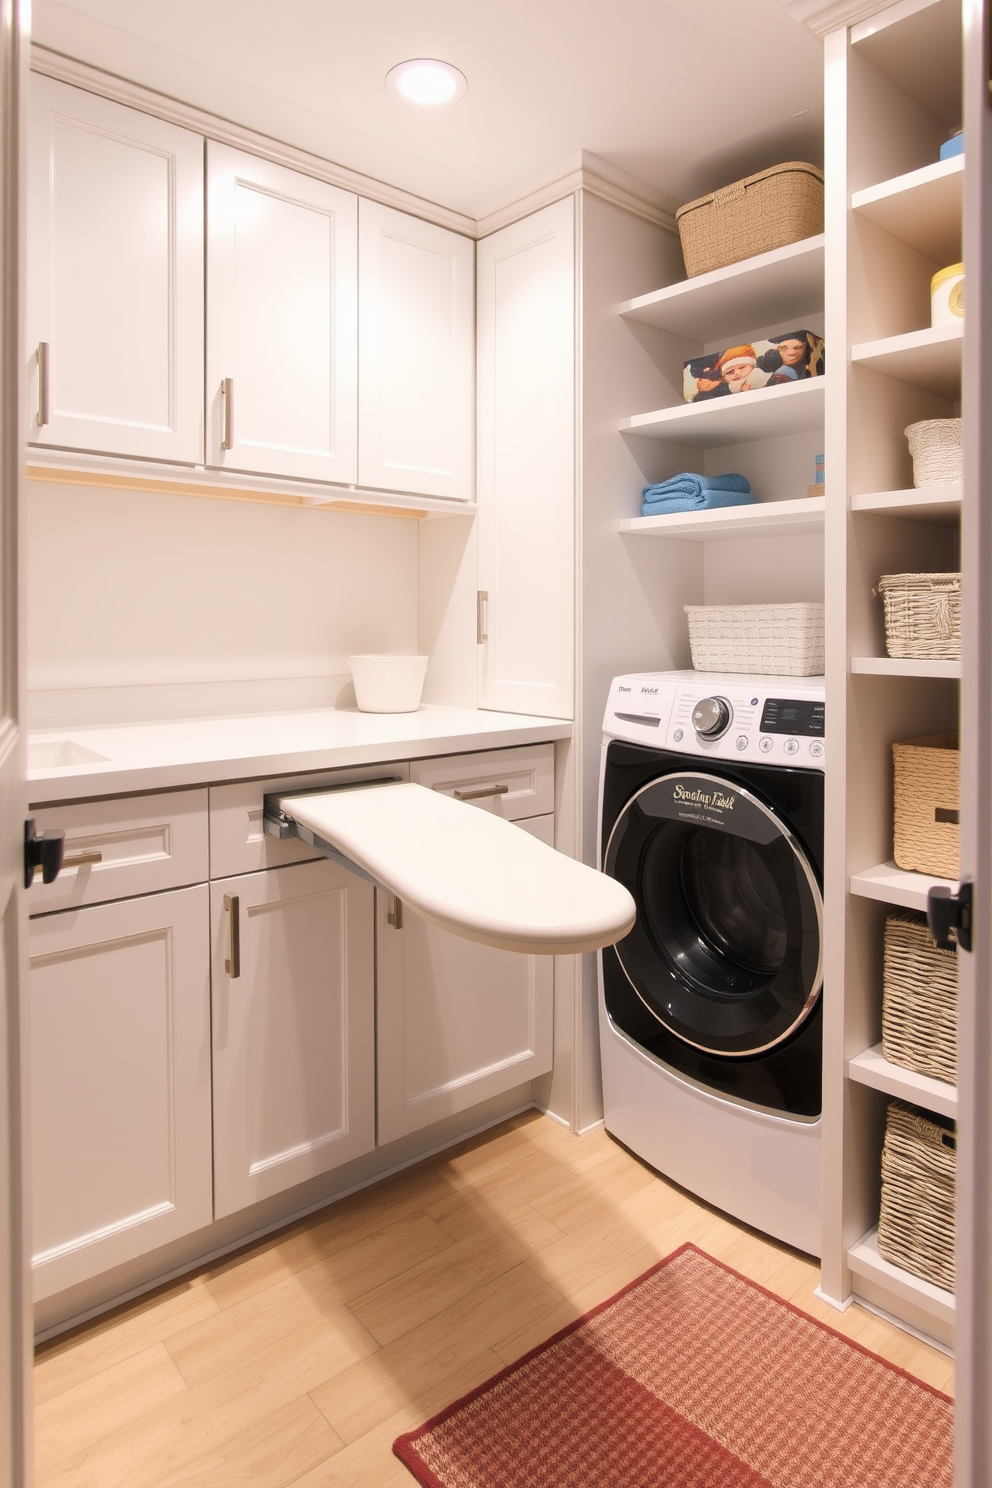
{"points": [[296, 1363]]}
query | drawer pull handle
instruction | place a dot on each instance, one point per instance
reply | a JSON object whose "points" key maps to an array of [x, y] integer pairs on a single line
{"points": [[394, 916], [481, 795], [232, 903], [80, 859]]}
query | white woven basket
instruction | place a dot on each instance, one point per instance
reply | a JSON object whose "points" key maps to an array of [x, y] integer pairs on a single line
{"points": [[938, 455], [784, 640], [922, 614]]}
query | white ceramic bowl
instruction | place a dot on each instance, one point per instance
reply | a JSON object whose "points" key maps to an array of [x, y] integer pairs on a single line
{"points": [[388, 684]]}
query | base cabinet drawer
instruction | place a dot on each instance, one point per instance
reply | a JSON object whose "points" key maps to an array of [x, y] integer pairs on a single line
{"points": [[512, 783], [457, 1022], [120, 1082], [293, 1028]]}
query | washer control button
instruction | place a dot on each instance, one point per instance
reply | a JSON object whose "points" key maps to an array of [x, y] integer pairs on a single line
{"points": [[742, 741], [766, 744], [712, 717], [792, 746], [678, 736], [816, 749]]}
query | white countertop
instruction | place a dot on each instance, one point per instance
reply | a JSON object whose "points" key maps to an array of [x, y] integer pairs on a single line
{"points": [[199, 751]]}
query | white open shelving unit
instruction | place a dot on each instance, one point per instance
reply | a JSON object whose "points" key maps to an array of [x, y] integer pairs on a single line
{"points": [[893, 219], [763, 519]]}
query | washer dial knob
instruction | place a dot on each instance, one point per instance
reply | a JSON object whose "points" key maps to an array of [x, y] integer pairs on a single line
{"points": [[712, 717]]}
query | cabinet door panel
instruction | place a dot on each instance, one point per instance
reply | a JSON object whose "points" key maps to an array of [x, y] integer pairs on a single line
{"points": [[457, 1022], [115, 277], [120, 1082], [526, 460], [416, 331], [281, 320], [293, 1033]]}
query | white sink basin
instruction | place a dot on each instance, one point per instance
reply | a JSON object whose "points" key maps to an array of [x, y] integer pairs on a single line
{"points": [[58, 754]]}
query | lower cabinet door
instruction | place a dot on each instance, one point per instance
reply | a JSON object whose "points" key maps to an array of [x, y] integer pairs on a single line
{"points": [[120, 1082], [457, 1022], [293, 1028]]}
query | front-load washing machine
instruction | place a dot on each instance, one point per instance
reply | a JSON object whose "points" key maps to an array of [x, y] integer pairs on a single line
{"points": [[711, 1007]]}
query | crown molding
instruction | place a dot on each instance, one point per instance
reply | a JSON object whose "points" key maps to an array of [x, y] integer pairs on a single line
{"points": [[821, 17], [224, 131], [582, 171]]}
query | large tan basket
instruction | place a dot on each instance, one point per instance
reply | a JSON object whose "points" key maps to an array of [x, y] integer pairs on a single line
{"points": [[919, 1000], [922, 614], [784, 640], [919, 1166], [927, 791], [777, 206]]}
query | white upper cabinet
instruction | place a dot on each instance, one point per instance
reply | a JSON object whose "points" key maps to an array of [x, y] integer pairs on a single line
{"points": [[115, 278], [282, 292], [526, 464], [416, 333]]}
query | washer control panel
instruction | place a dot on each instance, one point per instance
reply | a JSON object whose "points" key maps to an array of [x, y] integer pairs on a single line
{"points": [[771, 720]]}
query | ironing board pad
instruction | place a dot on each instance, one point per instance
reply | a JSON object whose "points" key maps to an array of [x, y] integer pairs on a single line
{"points": [[464, 869]]}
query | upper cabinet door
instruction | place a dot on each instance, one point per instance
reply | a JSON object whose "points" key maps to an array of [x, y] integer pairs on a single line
{"points": [[526, 459], [115, 278], [416, 320], [282, 291]]}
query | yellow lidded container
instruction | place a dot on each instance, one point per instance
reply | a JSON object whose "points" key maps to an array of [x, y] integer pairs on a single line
{"points": [[947, 296]]}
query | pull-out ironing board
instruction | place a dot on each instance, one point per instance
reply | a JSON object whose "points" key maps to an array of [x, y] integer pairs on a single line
{"points": [[461, 868]]}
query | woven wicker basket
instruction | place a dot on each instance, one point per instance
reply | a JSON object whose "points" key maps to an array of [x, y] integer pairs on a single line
{"points": [[919, 1000], [919, 1165], [922, 614], [927, 805], [938, 455], [785, 640], [762, 212]]}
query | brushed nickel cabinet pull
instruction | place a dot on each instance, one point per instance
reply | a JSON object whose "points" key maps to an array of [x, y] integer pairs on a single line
{"points": [[80, 859], [227, 393], [481, 616], [481, 794], [44, 408], [232, 903], [394, 916]]}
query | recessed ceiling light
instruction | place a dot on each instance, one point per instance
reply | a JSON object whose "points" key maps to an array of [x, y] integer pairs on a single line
{"points": [[426, 81]]}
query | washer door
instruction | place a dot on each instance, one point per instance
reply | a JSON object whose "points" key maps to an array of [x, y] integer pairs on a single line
{"points": [[726, 952]]}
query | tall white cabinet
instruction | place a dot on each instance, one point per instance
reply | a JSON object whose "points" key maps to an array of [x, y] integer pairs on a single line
{"points": [[282, 291], [526, 464], [115, 278]]}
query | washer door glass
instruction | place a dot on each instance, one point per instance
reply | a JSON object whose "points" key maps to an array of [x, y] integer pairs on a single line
{"points": [[727, 949]]}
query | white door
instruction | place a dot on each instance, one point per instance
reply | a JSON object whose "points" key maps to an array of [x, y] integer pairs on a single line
{"points": [[15, 1294], [115, 278], [120, 1082], [293, 1028], [457, 1022], [282, 395], [526, 464], [416, 320]]}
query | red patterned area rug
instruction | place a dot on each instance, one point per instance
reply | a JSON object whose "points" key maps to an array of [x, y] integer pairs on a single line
{"points": [[691, 1377]]}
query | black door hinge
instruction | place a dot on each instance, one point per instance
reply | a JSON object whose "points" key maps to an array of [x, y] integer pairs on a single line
{"points": [[949, 917]]}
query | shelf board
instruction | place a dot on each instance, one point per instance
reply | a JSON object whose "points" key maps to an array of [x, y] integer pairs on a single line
{"points": [[903, 666], [784, 518], [760, 291], [736, 419], [929, 359], [872, 1068], [892, 885], [922, 208], [927, 503], [864, 1260]]}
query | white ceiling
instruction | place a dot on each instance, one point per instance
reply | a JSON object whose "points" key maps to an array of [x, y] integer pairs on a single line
{"points": [[685, 94]]}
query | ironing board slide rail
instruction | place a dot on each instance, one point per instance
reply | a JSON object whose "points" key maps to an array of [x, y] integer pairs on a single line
{"points": [[277, 823]]}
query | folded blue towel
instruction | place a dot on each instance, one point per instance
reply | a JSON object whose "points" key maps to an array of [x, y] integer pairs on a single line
{"points": [[689, 492]]}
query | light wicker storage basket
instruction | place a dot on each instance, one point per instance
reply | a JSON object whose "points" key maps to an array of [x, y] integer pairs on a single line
{"points": [[927, 791], [922, 614], [777, 206], [784, 640], [919, 1167], [937, 451], [919, 1000]]}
